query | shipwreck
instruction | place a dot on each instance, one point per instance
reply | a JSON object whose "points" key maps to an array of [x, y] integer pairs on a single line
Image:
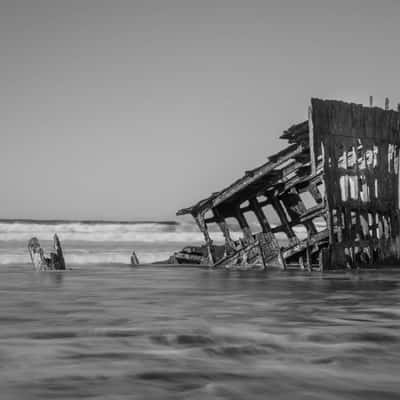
{"points": [[42, 262], [336, 183]]}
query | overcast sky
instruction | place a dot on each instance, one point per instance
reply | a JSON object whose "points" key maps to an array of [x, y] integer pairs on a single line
{"points": [[134, 109]]}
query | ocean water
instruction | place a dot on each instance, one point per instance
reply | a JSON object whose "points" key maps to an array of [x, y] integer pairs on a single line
{"points": [[97, 242], [108, 330]]}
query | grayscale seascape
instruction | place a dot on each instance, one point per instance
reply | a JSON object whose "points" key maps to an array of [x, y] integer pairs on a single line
{"points": [[199, 200], [105, 329]]}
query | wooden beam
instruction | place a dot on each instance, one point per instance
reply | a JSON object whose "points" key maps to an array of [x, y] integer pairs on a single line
{"points": [[209, 243], [229, 243]]}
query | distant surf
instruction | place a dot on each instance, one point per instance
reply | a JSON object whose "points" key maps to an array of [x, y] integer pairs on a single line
{"points": [[98, 231], [97, 242], [105, 242]]}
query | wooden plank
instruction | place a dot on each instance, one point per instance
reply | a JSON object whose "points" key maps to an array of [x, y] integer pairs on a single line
{"points": [[216, 199]]}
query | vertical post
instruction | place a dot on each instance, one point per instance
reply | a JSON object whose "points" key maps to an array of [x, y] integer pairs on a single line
{"points": [[267, 240], [347, 223], [371, 101], [262, 219], [203, 227], [283, 219], [308, 252], [358, 229], [323, 259], [311, 139], [248, 236], [339, 224], [386, 103], [398, 107], [329, 176], [229, 243]]}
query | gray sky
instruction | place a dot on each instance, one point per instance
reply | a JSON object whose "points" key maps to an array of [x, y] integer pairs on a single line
{"points": [[133, 109]]}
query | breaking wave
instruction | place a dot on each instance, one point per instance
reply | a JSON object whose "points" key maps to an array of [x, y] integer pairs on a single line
{"points": [[98, 242], [148, 232], [101, 232]]}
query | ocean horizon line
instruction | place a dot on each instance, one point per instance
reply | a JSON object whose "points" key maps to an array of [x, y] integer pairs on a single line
{"points": [[86, 221]]}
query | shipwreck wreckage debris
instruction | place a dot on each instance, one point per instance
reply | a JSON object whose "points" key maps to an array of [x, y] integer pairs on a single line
{"points": [[337, 180], [333, 192], [55, 260], [134, 259]]}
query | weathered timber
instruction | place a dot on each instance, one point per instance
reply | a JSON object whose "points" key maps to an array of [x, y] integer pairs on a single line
{"points": [[41, 262], [334, 191], [134, 258]]}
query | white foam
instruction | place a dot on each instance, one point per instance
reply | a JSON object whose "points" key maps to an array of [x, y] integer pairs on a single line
{"points": [[158, 240], [99, 232], [111, 232], [106, 232], [92, 258]]}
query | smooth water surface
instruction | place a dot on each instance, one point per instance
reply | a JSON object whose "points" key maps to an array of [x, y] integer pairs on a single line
{"points": [[119, 332]]}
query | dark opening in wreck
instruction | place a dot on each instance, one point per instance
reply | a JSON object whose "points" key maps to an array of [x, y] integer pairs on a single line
{"points": [[337, 180]]}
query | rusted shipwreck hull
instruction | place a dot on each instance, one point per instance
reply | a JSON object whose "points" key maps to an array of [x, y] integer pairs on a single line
{"points": [[337, 183]]}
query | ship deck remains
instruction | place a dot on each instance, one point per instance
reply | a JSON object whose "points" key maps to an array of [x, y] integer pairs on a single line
{"points": [[329, 200]]}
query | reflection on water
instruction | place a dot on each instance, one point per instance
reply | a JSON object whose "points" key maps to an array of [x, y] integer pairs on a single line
{"points": [[154, 333]]}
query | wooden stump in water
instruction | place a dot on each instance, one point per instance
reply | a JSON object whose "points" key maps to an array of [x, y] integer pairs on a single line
{"points": [[55, 260], [134, 259], [58, 259], [37, 254]]}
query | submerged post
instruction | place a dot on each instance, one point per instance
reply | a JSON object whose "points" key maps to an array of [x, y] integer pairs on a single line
{"points": [[41, 262]]}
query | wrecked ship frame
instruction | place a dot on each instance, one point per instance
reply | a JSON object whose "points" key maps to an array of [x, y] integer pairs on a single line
{"points": [[337, 180]]}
